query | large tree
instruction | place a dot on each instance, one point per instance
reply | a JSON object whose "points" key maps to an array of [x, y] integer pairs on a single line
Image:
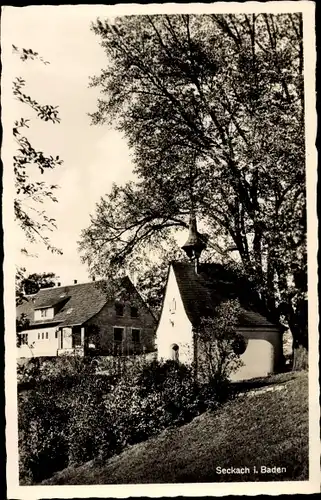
{"points": [[212, 107]]}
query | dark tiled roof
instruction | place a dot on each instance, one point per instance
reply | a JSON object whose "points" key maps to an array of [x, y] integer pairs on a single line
{"points": [[77, 303], [201, 292], [49, 300]]}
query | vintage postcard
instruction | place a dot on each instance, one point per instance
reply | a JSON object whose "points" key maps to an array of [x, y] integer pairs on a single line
{"points": [[160, 232]]}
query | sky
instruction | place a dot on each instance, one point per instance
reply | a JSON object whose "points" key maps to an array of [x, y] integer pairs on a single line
{"points": [[93, 156]]}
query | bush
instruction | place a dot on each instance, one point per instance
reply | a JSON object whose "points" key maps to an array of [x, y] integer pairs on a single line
{"points": [[78, 416], [28, 372], [43, 445], [134, 418], [49, 438], [153, 375], [130, 412], [90, 430], [218, 344]]}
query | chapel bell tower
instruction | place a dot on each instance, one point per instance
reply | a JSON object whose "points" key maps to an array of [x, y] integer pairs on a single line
{"points": [[194, 244]]}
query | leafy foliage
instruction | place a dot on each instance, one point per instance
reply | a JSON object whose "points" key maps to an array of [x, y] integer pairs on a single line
{"points": [[212, 107], [217, 356], [42, 439], [34, 281], [27, 161], [22, 323], [26, 54]]}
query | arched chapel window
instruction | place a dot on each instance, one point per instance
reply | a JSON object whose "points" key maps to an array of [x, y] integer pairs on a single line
{"points": [[175, 352]]}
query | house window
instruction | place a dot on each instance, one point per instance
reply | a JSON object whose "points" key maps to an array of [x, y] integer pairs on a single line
{"points": [[46, 335], [24, 339], [118, 338], [119, 308], [134, 312], [44, 313], [38, 336], [118, 335], [56, 334], [42, 335], [135, 335]]}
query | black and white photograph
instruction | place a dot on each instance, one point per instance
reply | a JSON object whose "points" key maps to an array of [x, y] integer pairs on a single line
{"points": [[160, 249]]}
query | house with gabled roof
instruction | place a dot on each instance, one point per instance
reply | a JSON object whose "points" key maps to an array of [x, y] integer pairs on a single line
{"points": [[86, 318], [193, 291]]}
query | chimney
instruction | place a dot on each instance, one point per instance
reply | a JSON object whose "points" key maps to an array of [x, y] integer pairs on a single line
{"points": [[75, 282]]}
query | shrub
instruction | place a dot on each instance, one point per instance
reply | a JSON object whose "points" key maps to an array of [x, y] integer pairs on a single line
{"points": [[49, 438], [29, 372], [217, 340], [134, 417], [42, 440], [90, 430], [153, 375], [63, 370], [78, 416]]}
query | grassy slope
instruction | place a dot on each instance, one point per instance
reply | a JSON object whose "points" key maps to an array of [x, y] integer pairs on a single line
{"points": [[263, 428]]}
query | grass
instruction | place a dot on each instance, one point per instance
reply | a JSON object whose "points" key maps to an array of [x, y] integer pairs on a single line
{"points": [[258, 428]]}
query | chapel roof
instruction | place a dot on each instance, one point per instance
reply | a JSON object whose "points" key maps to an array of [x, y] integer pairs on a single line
{"points": [[201, 292]]}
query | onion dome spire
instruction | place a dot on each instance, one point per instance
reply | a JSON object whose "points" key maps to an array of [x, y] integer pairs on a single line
{"points": [[195, 244]]}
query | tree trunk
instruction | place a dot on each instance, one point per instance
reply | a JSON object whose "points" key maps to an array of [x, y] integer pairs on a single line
{"points": [[300, 358], [298, 323], [300, 347]]}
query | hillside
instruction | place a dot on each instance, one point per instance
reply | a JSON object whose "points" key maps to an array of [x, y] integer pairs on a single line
{"points": [[264, 427]]}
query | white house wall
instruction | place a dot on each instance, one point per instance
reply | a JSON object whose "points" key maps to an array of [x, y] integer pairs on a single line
{"points": [[45, 347], [39, 347], [174, 327], [262, 355]]}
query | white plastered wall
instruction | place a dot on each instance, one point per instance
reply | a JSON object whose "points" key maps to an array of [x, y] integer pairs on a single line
{"points": [[39, 347], [174, 327], [262, 354]]}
